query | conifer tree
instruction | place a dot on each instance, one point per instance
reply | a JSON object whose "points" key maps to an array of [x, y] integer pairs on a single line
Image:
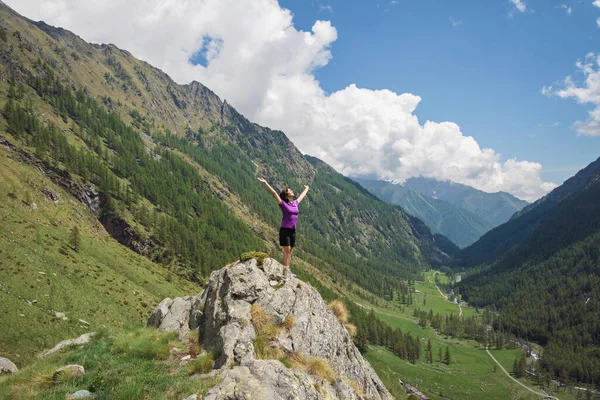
{"points": [[75, 239], [447, 358]]}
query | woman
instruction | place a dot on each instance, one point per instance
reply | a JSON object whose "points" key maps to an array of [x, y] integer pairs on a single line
{"points": [[289, 210]]}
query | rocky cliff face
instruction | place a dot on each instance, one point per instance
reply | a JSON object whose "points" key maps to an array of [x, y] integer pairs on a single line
{"points": [[268, 331]]}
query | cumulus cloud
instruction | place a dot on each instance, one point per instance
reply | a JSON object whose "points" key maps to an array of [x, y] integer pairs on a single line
{"points": [[256, 58], [520, 5], [596, 3], [586, 93]]}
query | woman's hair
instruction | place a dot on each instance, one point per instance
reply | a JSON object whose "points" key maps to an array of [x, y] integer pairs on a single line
{"points": [[283, 195]]}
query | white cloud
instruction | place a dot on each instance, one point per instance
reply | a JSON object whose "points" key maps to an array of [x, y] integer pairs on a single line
{"points": [[263, 65], [596, 3], [552, 125], [568, 10], [325, 8], [455, 22], [598, 22], [520, 5], [586, 93]]}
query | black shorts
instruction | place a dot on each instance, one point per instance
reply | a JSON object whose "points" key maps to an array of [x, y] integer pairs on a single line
{"points": [[287, 237]]}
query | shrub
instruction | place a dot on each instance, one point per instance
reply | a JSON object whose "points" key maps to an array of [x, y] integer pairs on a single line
{"points": [[266, 331], [260, 257], [264, 350], [201, 365], [289, 322], [339, 309], [312, 365], [351, 328], [259, 317]]}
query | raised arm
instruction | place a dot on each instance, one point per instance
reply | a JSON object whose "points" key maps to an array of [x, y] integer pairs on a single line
{"points": [[306, 188], [270, 189]]}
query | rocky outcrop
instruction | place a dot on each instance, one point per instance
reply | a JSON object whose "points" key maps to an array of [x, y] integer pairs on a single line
{"points": [[306, 328], [7, 366], [270, 379], [180, 315], [83, 339]]}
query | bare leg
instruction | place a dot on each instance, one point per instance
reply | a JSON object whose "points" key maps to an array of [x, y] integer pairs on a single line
{"points": [[287, 255]]}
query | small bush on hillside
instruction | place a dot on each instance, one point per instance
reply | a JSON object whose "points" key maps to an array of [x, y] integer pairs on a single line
{"points": [[289, 322], [266, 331], [260, 257], [259, 317], [351, 328], [312, 365], [201, 365], [145, 344], [340, 310]]}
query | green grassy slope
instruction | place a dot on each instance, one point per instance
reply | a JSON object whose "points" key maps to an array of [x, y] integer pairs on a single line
{"points": [[103, 284], [138, 364]]}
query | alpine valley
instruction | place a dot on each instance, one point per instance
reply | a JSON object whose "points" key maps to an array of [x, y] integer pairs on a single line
{"points": [[121, 190]]}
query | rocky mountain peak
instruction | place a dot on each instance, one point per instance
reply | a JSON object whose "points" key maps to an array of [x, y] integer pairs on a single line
{"points": [[272, 336]]}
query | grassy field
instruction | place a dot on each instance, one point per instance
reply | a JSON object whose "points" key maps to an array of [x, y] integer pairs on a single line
{"points": [[102, 285], [137, 364], [471, 373]]}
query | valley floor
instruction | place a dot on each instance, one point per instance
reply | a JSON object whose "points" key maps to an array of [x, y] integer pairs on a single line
{"points": [[471, 373]]}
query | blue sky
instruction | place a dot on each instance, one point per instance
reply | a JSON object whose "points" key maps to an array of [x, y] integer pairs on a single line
{"points": [[485, 72], [450, 90]]}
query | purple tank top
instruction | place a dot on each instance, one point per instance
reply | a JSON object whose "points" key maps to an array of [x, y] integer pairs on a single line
{"points": [[290, 214]]}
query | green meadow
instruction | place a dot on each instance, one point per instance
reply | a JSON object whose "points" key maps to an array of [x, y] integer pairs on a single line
{"points": [[471, 373], [100, 285]]}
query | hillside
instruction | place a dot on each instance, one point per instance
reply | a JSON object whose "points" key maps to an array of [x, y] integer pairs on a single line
{"points": [[168, 171], [495, 208], [460, 226], [499, 240], [546, 287]]}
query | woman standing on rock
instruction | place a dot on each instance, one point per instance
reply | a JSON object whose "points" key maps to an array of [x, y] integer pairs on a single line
{"points": [[289, 210]]}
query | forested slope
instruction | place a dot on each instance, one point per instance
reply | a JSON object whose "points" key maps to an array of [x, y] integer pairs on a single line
{"points": [[175, 167], [547, 289], [499, 240]]}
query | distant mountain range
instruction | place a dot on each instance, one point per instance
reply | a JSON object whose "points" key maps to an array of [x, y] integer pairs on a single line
{"points": [[495, 208], [499, 240], [459, 212]]}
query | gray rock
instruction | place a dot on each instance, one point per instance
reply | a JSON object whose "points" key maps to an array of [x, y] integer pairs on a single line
{"points": [[7, 366], [83, 339], [69, 371], [80, 394], [227, 330], [192, 397], [270, 379], [179, 315]]}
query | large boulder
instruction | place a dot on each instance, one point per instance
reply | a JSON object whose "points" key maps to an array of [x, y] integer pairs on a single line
{"points": [[307, 328], [7, 366], [179, 315]]}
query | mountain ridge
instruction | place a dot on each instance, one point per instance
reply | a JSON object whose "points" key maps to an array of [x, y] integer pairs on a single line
{"points": [[496, 208], [460, 226], [502, 238]]}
